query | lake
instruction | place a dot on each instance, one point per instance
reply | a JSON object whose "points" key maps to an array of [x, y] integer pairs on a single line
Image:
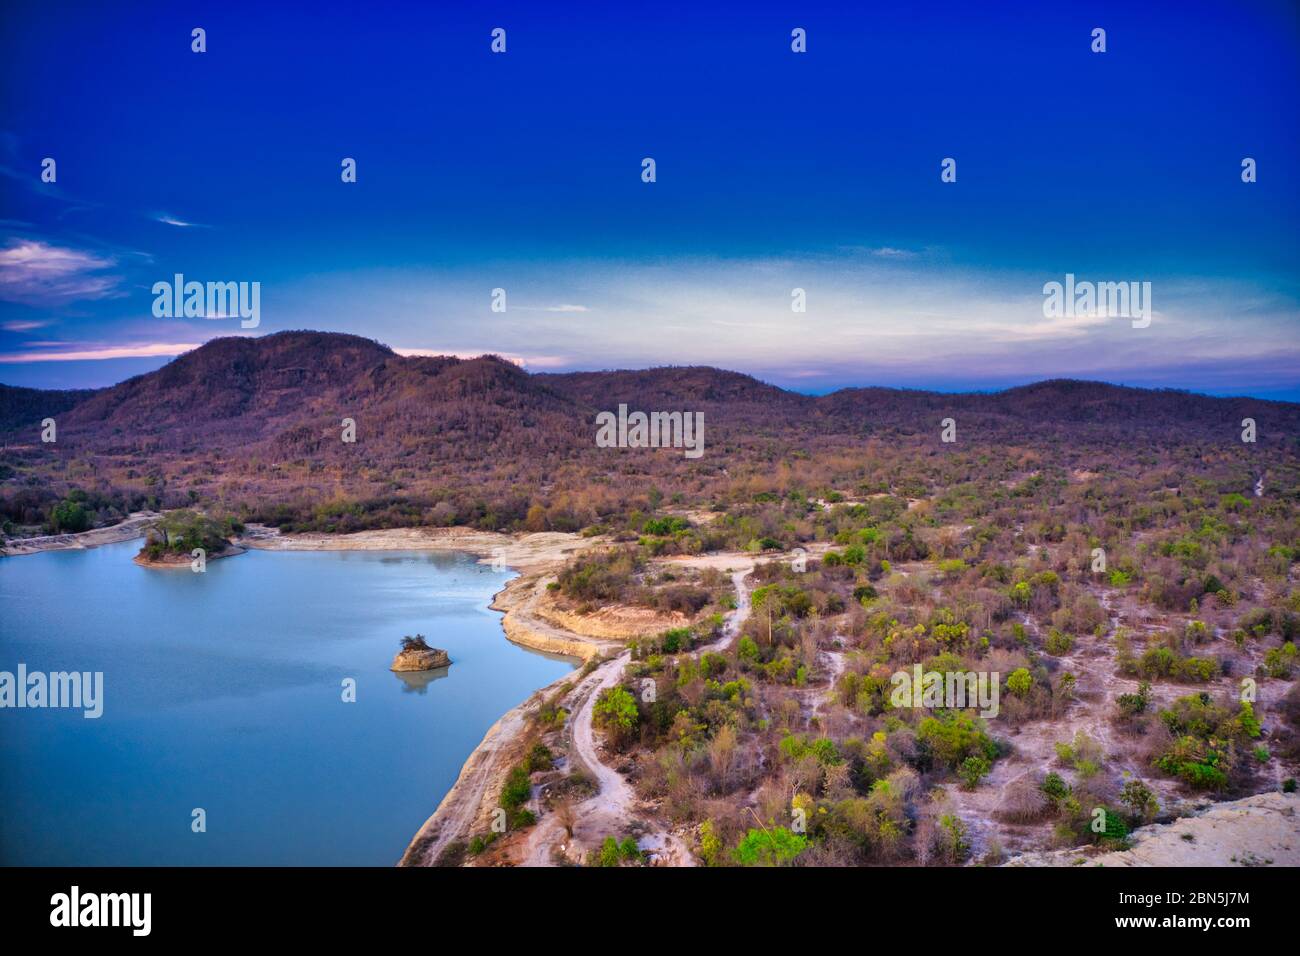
{"points": [[224, 691]]}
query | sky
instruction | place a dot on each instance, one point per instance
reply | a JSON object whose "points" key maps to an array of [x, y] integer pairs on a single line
{"points": [[774, 171]]}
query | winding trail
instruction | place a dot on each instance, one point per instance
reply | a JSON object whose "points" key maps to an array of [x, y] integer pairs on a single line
{"points": [[469, 802], [611, 811]]}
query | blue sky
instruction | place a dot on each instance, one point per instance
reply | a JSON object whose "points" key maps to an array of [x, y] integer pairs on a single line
{"points": [[775, 170]]}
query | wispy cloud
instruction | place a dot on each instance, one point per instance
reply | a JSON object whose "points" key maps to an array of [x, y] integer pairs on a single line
{"points": [[883, 252], [563, 307], [38, 273], [171, 220], [83, 353], [23, 326]]}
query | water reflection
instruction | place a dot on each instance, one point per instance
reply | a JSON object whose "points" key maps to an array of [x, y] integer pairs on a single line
{"points": [[417, 682]]}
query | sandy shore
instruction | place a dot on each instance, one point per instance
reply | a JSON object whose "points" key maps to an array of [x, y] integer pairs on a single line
{"points": [[535, 556], [468, 805], [529, 552], [529, 618], [132, 527]]}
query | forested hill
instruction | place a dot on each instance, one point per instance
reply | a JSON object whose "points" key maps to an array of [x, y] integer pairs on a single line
{"points": [[258, 423]]}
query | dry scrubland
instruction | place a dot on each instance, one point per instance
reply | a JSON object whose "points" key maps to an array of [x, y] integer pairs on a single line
{"points": [[734, 710]]}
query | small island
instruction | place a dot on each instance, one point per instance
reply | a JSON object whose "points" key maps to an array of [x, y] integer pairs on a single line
{"points": [[170, 542], [416, 655]]}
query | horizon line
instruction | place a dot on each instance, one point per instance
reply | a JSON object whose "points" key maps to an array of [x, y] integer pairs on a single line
{"points": [[522, 363]]}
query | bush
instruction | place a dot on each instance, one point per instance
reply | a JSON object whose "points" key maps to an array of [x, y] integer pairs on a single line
{"points": [[539, 758], [517, 790], [769, 847], [676, 640], [954, 844], [710, 844], [1114, 830], [972, 770], [1023, 800], [522, 818], [1130, 705], [1279, 661], [615, 712], [1057, 642], [1140, 799], [665, 526], [1204, 749], [1054, 787], [1019, 682], [953, 736], [599, 577]]}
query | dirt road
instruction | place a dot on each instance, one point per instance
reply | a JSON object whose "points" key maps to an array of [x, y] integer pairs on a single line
{"points": [[612, 810]]}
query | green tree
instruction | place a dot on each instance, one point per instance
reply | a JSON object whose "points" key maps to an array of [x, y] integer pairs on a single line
{"points": [[769, 847], [68, 516], [615, 712], [972, 770], [1019, 681], [1140, 799]]}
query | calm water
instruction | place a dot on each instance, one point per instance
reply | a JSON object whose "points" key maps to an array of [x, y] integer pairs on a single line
{"points": [[223, 691]]}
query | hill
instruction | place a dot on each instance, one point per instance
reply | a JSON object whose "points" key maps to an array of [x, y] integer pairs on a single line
{"points": [[258, 424]]}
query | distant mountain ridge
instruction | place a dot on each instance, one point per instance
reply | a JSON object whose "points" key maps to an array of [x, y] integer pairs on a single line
{"points": [[261, 427], [261, 381]]}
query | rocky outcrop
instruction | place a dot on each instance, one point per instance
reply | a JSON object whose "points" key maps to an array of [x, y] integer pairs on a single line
{"points": [[420, 659], [1263, 830]]}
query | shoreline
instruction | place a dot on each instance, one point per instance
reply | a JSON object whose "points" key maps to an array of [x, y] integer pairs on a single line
{"points": [[128, 529], [468, 803], [536, 557], [471, 799], [533, 556], [183, 561]]}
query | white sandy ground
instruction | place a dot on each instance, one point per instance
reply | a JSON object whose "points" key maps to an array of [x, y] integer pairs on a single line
{"points": [[1033, 742], [132, 527], [1263, 830], [528, 552]]}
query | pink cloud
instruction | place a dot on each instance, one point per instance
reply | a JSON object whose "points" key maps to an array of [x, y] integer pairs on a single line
{"points": [[99, 352], [36, 273]]}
